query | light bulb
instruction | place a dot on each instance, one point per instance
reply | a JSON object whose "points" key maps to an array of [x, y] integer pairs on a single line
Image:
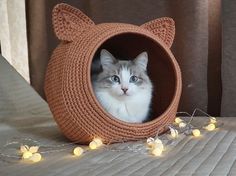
{"points": [[78, 151], [34, 149], [178, 120], [36, 157], [157, 151], [24, 148], [213, 120], [158, 141], [174, 133], [182, 124], [150, 141], [93, 145], [98, 141], [196, 132], [27, 155], [158, 145], [210, 127]]}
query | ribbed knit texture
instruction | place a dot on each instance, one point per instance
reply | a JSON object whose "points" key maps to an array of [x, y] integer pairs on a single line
{"points": [[68, 81]]}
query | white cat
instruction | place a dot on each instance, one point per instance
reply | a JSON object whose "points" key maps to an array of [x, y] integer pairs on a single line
{"points": [[123, 87]]}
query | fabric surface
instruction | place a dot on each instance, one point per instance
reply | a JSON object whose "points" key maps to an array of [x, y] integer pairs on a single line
{"points": [[24, 114], [201, 73]]}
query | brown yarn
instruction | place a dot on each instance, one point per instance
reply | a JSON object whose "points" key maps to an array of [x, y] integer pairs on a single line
{"points": [[68, 84]]}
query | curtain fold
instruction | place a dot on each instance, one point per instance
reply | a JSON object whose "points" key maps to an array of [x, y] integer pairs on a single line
{"points": [[38, 42], [229, 58], [214, 58], [196, 45], [191, 48]]}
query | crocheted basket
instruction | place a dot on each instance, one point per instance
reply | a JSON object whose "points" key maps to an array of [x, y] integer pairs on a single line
{"points": [[68, 83]]}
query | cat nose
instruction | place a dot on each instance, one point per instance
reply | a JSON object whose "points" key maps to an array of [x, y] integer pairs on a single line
{"points": [[124, 90]]}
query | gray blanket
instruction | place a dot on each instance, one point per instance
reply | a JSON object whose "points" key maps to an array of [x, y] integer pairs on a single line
{"points": [[23, 114]]}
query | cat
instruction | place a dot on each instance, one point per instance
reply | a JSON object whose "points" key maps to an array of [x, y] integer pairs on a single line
{"points": [[122, 87]]}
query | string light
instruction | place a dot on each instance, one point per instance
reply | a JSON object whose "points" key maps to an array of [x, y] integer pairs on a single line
{"points": [[98, 141], [173, 132], [157, 151], [30, 153], [182, 124], [178, 120], [213, 120], [150, 141], [158, 141], [155, 145], [24, 148], [36, 157], [78, 151], [210, 127], [158, 145], [93, 145], [34, 149], [196, 132], [26, 155]]}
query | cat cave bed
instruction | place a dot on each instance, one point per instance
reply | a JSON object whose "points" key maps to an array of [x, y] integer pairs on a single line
{"points": [[68, 86]]}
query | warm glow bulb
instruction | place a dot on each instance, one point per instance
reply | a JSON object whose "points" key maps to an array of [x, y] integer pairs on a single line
{"points": [[157, 151], [34, 149], [210, 127], [93, 145], [24, 148], [182, 124], [212, 120], [158, 141], [174, 133], [27, 155], [158, 145], [36, 157], [78, 151], [196, 132], [150, 141], [178, 120], [98, 141]]}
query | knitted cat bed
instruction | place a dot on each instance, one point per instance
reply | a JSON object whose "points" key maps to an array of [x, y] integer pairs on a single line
{"points": [[68, 85]]}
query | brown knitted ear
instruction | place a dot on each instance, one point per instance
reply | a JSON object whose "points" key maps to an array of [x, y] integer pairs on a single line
{"points": [[164, 28], [69, 22]]}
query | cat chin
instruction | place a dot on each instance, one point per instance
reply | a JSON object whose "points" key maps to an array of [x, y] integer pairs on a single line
{"points": [[124, 95]]}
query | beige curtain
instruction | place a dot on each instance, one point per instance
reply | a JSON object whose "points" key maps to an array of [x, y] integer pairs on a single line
{"points": [[13, 35]]}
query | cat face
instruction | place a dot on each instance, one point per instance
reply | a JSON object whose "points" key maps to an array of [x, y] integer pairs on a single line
{"points": [[123, 78]]}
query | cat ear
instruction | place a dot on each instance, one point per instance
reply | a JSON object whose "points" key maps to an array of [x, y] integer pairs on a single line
{"points": [[69, 22], [164, 28], [141, 60], [107, 59]]}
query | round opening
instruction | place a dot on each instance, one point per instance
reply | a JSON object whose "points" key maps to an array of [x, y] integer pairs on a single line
{"points": [[160, 67]]}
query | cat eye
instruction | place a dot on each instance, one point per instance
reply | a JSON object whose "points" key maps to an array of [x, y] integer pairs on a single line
{"points": [[133, 79], [115, 78]]}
